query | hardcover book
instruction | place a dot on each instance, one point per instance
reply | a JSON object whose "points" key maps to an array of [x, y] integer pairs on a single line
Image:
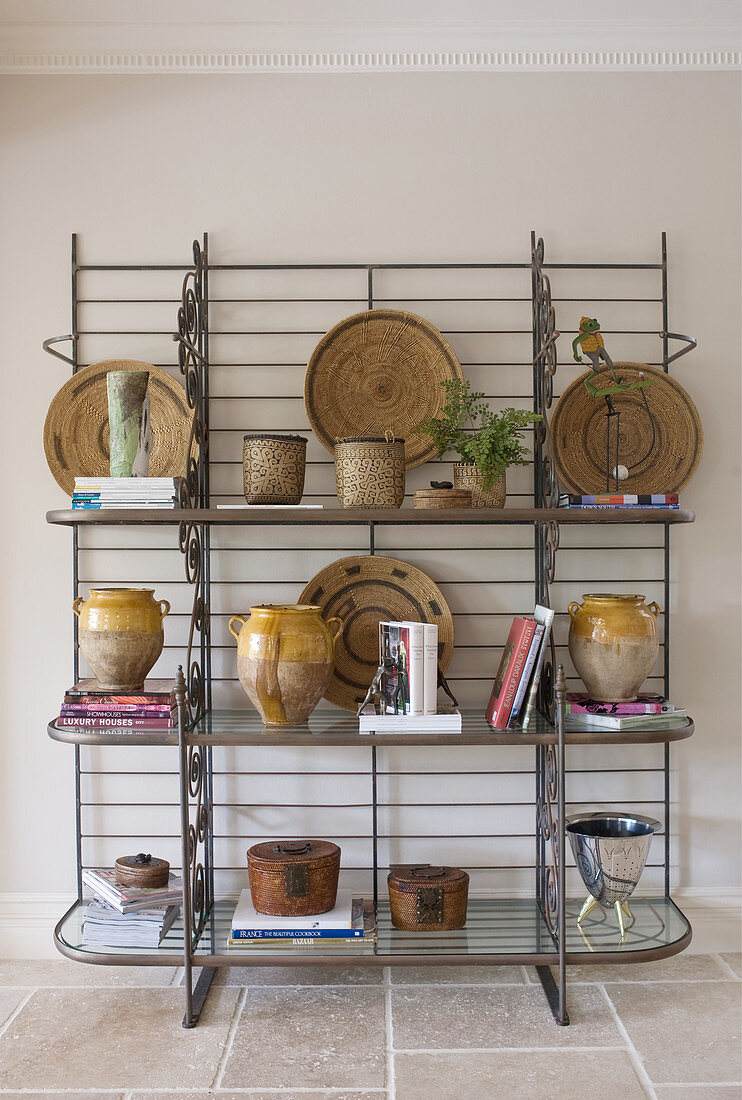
{"points": [[509, 673], [579, 702], [155, 691], [545, 616], [394, 662]]}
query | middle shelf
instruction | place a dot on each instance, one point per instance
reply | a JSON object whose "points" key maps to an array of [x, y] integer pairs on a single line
{"points": [[337, 728]]}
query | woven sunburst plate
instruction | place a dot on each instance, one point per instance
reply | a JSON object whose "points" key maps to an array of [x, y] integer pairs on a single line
{"points": [[76, 428], [364, 591], [578, 431], [379, 371]]}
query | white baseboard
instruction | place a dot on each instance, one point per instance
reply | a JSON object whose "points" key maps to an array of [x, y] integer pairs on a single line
{"points": [[27, 921]]}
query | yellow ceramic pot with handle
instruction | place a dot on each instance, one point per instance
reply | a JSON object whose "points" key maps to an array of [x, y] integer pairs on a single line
{"points": [[285, 658], [121, 635], [613, 644]]}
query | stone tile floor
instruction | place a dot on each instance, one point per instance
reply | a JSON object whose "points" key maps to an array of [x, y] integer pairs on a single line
{"points": [[668, 1030]]}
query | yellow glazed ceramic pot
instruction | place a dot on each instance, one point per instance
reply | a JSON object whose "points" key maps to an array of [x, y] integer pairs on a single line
{"points": [[613, 644], [121, 635], [285, 658]]}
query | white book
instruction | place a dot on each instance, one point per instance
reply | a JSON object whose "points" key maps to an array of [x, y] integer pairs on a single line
{"points": [[445, 722], [525, 677], [430, 677], [247, 919], [417, 666]]}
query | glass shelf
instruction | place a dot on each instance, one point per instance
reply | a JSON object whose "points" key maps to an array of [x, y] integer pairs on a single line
{"points": [[501, 931], [338, 728]]}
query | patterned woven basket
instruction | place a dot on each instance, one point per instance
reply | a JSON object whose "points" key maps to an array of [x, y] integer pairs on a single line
{"points": [[142, 870], [293, 878], [273, 468], [370, 471], [467, 476], [428, 899]]}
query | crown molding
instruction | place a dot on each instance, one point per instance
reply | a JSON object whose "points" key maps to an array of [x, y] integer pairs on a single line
{"points": [[354, 46]]}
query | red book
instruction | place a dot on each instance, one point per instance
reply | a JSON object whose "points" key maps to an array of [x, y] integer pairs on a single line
{"points": [[510, 671], [124, 724]]}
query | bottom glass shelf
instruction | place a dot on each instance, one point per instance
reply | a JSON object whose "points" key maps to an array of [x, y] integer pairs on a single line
{"points": [[497, 930]]}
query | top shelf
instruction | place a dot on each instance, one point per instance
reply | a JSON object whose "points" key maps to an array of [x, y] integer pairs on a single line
{"points": [[354, 516]]}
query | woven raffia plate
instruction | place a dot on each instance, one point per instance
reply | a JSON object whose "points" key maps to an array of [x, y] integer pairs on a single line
{"points": [[375, 372], [363, 591], [76, 428], [578, 432]]}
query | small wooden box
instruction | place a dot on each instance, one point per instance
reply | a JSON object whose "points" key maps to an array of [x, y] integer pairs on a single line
{"points": [[428, 899], [293, 878], [142, 870]]}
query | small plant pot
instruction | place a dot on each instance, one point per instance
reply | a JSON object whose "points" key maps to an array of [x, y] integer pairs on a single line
{"points": [[467, 476], [273, 468]]}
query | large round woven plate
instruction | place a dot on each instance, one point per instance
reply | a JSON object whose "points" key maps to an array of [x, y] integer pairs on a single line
{"points": [[363, 591], [578, 431], [375, 372], [76, 428]]}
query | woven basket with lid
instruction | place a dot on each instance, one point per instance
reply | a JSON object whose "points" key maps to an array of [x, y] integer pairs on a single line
{"points": [[293, 878], [142, 870], [423, 898]]}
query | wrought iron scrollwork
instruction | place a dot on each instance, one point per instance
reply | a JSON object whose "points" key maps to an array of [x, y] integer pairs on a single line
{"points": [[196, 807], [546, 495], [192, 341], [549, 864], [546, 334]]}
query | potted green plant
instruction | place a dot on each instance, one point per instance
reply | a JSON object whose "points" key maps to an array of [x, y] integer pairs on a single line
{"points": [[486, 442]]}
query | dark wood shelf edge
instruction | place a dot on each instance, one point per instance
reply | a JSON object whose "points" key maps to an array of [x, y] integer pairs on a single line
{"points": [[354, 516]]}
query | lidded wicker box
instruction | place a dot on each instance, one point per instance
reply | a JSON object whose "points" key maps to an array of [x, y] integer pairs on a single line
{"points": [[293, 878], [423, 898], [142, 870], [370, 471]]}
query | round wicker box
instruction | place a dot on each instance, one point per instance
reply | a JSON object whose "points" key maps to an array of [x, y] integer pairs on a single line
{"points": [[370, 471], [428, 899], [142, 870], [443, 498], [273, 468], [293, 878]]}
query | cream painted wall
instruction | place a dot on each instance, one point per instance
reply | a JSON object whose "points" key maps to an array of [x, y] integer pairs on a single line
{"points": [[394, 167]]}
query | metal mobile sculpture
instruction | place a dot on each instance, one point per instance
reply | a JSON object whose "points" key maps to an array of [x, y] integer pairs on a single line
{"points": [[590, 340]]}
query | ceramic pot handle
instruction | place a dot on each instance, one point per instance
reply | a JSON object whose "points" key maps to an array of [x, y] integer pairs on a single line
{"points": [[76, 605], [335, 633], [164, 607], [654, 608], [236, 619], [573, 608]]}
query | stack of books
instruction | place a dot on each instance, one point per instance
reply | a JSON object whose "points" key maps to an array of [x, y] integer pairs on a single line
{"points": [[128, 916], [127, 492], [406, 683], [619, 500], [513, 698], [352, 921], [646, 712], [86, 705]]}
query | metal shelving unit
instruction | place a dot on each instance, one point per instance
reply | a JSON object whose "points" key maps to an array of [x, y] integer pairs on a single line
{"points": [[541, 931]]}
